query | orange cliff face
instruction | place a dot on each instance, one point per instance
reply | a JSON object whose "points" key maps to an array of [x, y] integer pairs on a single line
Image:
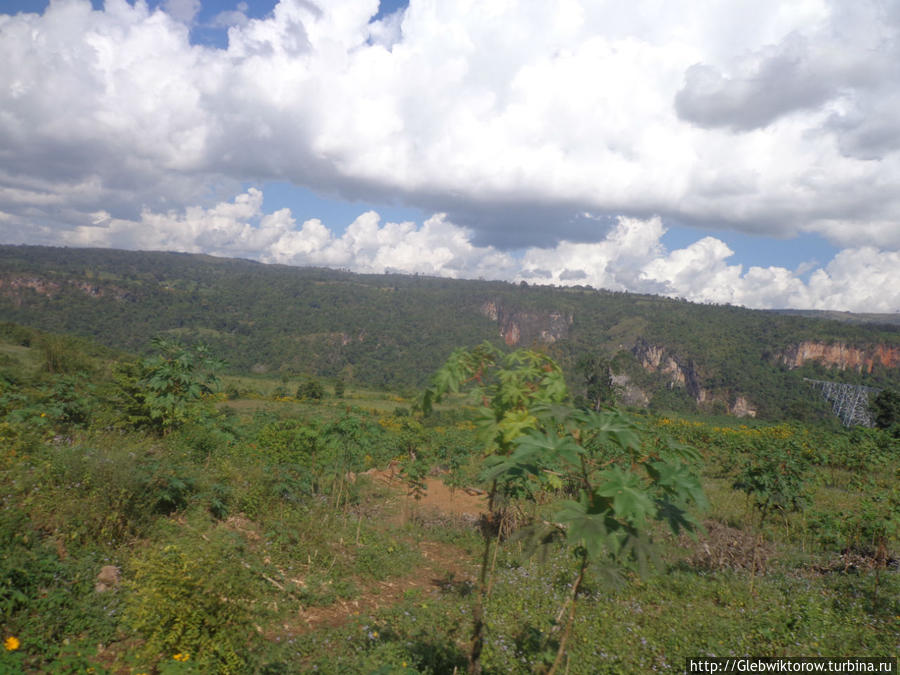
{"points": [[842, 356]]}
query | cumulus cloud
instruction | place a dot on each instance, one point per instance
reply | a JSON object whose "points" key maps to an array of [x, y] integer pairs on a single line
{"points": [[513, 118], [861, 279], [232, 17], [797, 74], [570, 132], [631, 257], [241, 228], [182, 10]]}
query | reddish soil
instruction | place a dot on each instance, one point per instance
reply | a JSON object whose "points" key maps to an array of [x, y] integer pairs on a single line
{"points": [[443, 563], [466, 502]]}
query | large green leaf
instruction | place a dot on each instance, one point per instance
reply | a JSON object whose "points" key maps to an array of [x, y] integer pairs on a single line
{"points": [[678, 481], [584, 528], [610, 426], [552, 446], [515, 423], [524, 461], [631, 500]]}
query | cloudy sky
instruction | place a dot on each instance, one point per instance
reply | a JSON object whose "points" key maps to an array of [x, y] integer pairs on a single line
{"points": [[740, 151]]}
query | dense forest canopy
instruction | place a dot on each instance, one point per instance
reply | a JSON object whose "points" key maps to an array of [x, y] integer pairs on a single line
{"points": [[393, 330]]}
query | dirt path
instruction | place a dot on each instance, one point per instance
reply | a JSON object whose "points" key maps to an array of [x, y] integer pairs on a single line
{"points": [[443, 563], [466, 502]]}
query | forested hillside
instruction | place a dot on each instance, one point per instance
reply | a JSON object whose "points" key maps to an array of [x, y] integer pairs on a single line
{"points": [[393, 330]]}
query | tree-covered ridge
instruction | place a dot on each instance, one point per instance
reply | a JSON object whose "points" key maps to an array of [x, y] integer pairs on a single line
{"points": [[393, 330]]}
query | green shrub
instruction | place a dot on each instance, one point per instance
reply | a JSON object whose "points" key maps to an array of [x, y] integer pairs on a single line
{"points": [[162, 392], [290, 442], [107, 489], [47, 598], [311, 389], [775, 477], [196, 600]]}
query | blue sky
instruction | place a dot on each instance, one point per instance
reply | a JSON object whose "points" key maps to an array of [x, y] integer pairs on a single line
{"points": [[746, 153]]}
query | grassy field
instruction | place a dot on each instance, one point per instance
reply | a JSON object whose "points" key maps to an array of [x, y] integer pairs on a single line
{"points": [[266, 534]]}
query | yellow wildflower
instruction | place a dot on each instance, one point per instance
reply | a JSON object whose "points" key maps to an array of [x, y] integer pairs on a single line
{"points": [[11, 643], [181, 657]]}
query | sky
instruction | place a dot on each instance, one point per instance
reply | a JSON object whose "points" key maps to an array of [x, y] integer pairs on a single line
{"points": [[736, 151]]}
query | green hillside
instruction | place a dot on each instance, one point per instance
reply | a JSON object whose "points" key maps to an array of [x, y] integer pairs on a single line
{"points": [[156, 521], [392, 331]]}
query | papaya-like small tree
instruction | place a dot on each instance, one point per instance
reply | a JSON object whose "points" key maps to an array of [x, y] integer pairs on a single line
{"points": [[625, 478], [505, 387], [160, 391]]}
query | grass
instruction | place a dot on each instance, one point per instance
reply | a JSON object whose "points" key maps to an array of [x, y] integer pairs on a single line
{"points": [[339, 575], [19, 353]]}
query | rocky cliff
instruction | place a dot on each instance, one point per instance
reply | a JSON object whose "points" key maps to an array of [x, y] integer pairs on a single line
{"points": [[14, 286], [526, 328], [683, 373], [842, 356]]}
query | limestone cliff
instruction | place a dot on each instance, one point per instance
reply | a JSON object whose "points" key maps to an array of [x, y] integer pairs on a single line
{"points": [[683, 373], [842, 356], [628, 393], [14, 286], [526, 328], [742, 408]]}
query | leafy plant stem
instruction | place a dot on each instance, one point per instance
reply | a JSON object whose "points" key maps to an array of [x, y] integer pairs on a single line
{"points": [[474, 667], [571, 618]]}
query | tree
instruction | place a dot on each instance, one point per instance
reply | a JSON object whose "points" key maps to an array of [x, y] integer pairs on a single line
{"points": [[505, 388], [161, 392], [599, 389], [311, 389], [885, 409], [623, 478]]}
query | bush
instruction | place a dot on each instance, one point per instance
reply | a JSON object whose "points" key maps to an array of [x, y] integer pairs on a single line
{"points": [[775, 477], [47, 598], [290, 442], [195, 600], [164, 391], [311, 389]]}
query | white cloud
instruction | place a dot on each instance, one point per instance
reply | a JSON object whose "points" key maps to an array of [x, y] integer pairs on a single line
{"points": [[557, 128], [232, 17], [182, 10], [760, 115], [241, 228], [630, 257]]}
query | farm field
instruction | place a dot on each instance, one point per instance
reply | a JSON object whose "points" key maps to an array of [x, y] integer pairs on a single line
{"points": [[158, 519]]}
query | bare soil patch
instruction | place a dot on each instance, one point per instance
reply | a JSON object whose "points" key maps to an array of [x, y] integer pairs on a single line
{"points": [[725, 547], [444, 566], [468, 503]]}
